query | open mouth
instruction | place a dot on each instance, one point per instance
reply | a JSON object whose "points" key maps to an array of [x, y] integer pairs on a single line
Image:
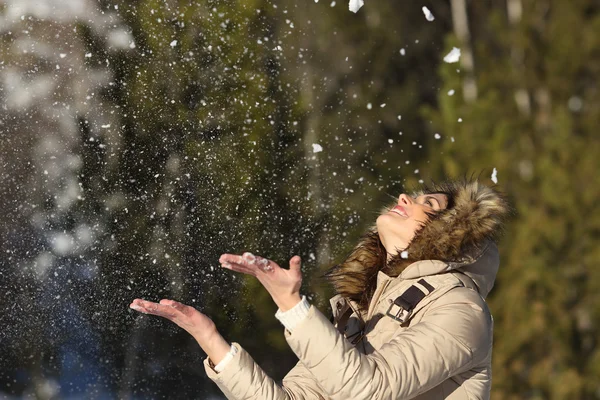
{"points": [[400, 211]]}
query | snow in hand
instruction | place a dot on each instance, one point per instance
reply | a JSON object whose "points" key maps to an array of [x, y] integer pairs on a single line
{"points": [[495, 176], [355, 5], [453, 56], [317, 148], [428, 15], [249, 257]]}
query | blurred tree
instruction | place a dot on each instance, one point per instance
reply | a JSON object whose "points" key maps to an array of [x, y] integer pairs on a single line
{"points": [[221, 102], [535, 122]]}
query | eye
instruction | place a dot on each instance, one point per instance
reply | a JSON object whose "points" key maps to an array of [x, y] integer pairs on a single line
{"points": [[428, 202]]}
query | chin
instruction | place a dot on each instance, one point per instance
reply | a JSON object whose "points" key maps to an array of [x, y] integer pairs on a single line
{"points": [[390, 233], [384, 224]]}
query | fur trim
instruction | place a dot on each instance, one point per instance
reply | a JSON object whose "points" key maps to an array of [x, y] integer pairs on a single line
{"points": [[475, 215]]}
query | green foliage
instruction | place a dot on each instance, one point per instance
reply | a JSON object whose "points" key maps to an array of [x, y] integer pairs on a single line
{"points": [[545, 150], [214, 110]]}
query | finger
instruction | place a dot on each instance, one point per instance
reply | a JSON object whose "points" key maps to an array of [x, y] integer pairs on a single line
{"points": [[175, 304], [296, 264], [231, 258], [185, 310], [248, 259], [160, 310], [138, 308], [245, 263], [136, 305], [240, 268]]}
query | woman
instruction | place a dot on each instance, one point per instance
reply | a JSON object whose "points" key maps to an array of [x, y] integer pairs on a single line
{"points": [[409, 318]]}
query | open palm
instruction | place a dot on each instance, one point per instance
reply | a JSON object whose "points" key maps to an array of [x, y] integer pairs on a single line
{"points": [[282, 284]]}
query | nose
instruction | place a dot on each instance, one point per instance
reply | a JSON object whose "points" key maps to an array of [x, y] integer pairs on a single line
{"points": [[405, 199]]}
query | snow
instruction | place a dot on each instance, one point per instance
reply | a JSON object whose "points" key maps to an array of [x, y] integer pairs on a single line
{"points": [[317, 148], [453, 56], [437, 136], [451, 92], [369, 106], [402, 51], [495, 176], [173, 43], [62, 243], [404, 254], [428, 15], [249, 257], [575, 104], [355, 5], [119, 39], [60, 11]]}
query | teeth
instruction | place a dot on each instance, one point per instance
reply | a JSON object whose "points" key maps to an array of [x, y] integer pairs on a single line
{"points": [[399, 213]]}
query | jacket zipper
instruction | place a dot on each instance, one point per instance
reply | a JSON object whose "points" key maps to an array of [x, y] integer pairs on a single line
{"points": [[361, 334], [374, 302], [375, 299]]}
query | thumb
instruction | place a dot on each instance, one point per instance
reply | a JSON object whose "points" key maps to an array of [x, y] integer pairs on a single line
{"points": [[295, 264]]}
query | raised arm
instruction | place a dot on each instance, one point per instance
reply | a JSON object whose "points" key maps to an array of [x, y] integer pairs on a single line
{"points": [[230, 366], [453, 336]]}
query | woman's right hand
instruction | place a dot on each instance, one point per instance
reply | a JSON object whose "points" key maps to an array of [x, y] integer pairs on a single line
{"points": [[282, 284], [197, 324]]}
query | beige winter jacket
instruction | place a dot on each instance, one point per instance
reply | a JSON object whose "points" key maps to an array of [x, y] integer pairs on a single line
{"points": [[442, 350]]}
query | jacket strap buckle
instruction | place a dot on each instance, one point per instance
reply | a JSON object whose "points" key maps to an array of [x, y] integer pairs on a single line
{"points": [[402, 308]]}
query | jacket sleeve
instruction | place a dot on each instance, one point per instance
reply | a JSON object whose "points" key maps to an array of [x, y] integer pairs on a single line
{"points": [[448, 340], [243, 379]]}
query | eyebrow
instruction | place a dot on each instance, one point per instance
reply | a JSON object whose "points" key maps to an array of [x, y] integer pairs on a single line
{"points": [[434, 198]]}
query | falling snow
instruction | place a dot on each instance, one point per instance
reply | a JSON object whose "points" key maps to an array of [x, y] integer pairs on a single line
{"points": [[495, 176], [453, 56], [428, 15], [137, 157], [355, 5]]}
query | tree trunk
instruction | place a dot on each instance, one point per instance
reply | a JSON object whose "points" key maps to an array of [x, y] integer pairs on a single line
{"points": [[460, 20]]}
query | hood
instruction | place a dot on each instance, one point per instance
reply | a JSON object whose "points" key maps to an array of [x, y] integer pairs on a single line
{"points": [[460, 238], [481, 267]]}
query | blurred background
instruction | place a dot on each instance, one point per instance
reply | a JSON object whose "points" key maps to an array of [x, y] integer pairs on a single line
{"points": [[141, 139]]}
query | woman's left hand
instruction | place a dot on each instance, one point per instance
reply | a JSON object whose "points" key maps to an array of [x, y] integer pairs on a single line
{"points": [[282, 284], [197, 324]]}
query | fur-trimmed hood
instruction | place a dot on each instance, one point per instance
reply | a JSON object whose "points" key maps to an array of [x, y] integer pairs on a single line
{"points": [[461, 237]]}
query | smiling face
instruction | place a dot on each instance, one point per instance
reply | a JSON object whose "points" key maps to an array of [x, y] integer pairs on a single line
{"points": [[397, 227]]}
